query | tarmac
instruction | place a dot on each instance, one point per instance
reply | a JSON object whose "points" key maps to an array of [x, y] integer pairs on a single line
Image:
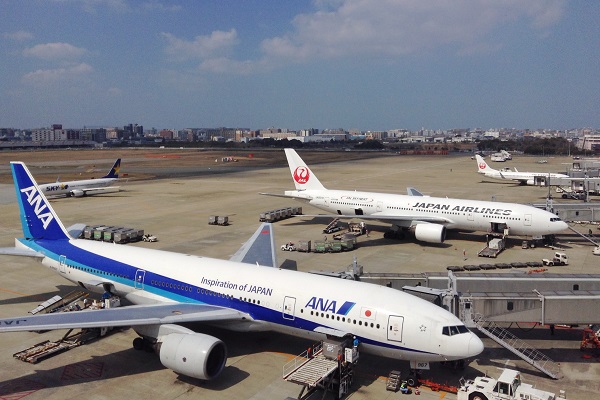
{"points": [[176, 210]]}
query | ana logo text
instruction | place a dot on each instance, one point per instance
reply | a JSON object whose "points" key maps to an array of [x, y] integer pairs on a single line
{"points": [[326, 305], [301, 175], [40, 208]]}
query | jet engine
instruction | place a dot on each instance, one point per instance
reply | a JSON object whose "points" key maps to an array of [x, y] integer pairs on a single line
{"points": [[431, 233], [77, 193], [196, 355], [530, 182]]}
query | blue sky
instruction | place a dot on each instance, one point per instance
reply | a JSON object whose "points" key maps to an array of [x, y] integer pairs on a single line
{"points": [[353, 64]]}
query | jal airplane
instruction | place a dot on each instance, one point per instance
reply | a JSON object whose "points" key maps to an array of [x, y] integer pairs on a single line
{"points": [[246, 293], [525, 178], [85, 187], [428, 217]]}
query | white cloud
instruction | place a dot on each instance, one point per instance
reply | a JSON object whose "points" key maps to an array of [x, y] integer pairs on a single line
{"points": [[18, 36], [393, 28], [54, 51], [58, 75], [202, 47]]}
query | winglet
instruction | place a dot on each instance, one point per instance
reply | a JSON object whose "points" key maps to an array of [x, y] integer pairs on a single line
{"points": [[38, 219], [114, 171], [259, 249], [303, 177]]}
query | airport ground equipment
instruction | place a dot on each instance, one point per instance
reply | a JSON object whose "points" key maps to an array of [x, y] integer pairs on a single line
{"points": [[333, 226], [149, 238], [68, 303], [304, 246], [590, 339], [279, 214], [354, 229], [289, 246], [218, 220], [518, 347], [494, 246], [328, 366], [507, 387], [393, 382], [112, 233], [559, 258]]}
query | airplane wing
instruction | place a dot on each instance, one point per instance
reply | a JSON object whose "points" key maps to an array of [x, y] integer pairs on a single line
{"points": [[281, 195], [259, 249], [170, 313], [22, 252], [109, 189], [388, 218]]}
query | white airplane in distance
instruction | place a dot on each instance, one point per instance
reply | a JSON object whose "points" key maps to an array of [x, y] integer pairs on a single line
{"points": [[246, 293], [428, 217], [524, 178], [84, 187]]}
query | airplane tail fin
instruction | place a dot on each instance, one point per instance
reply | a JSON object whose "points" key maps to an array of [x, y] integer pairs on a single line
{"points": [[482, 166], [114, 171], [303, 177], [38, 219]]}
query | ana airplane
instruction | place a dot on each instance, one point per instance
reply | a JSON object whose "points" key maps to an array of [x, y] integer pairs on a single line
{"points": [[242, 294], [525, 178], [85, 187], [428, 217]]}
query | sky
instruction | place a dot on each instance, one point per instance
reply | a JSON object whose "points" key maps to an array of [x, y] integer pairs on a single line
{"points": [[294, 64]]}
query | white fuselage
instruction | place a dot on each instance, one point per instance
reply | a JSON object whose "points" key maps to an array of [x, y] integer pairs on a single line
{"points": [[68, 188], [519, 176], [459, 214], [388, 322]]}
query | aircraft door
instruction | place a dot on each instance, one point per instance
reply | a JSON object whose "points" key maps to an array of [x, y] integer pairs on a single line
{"points": [[139, 279], [394, 329], [527, 220], [62, 261], [379, 206], [289, 307]]}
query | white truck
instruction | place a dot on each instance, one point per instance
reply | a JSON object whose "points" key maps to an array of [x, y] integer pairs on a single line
{"points": [[558, 259], [507, 387]]}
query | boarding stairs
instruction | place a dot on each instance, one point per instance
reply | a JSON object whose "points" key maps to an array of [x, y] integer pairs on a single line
{"points": [[309, 368], [517, 346]]}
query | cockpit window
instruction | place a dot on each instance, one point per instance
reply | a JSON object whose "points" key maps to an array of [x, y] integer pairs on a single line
{"points": [[554, 219], [454, 330]]}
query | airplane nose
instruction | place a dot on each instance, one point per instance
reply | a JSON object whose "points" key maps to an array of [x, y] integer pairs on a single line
{"points": [[475, 346]]}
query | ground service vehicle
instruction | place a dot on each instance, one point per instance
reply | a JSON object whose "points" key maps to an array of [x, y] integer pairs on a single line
{"points": [[558, 259], [507, 387]]}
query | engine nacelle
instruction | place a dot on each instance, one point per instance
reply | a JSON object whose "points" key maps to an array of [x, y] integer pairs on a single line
{"points": [[77, 193], [195, 355], [431, 233], [530, 182]]}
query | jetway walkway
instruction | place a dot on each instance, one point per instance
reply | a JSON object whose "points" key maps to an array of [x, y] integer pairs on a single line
{"points": [[517, 346]]}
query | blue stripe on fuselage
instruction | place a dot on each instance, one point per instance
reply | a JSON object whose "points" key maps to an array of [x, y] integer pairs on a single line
{"points": [[179, 291]]}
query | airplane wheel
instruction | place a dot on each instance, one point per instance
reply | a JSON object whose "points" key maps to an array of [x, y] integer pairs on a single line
{"points": [[138, 343], [477, 396]]}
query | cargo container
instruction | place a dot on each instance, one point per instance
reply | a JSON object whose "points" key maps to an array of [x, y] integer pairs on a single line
{"points": [[304, 245]]}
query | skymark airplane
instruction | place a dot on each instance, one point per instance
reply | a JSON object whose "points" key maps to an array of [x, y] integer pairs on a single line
{"points": [[525, 178], [85, 187], [242, 294], [428, 217]]}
